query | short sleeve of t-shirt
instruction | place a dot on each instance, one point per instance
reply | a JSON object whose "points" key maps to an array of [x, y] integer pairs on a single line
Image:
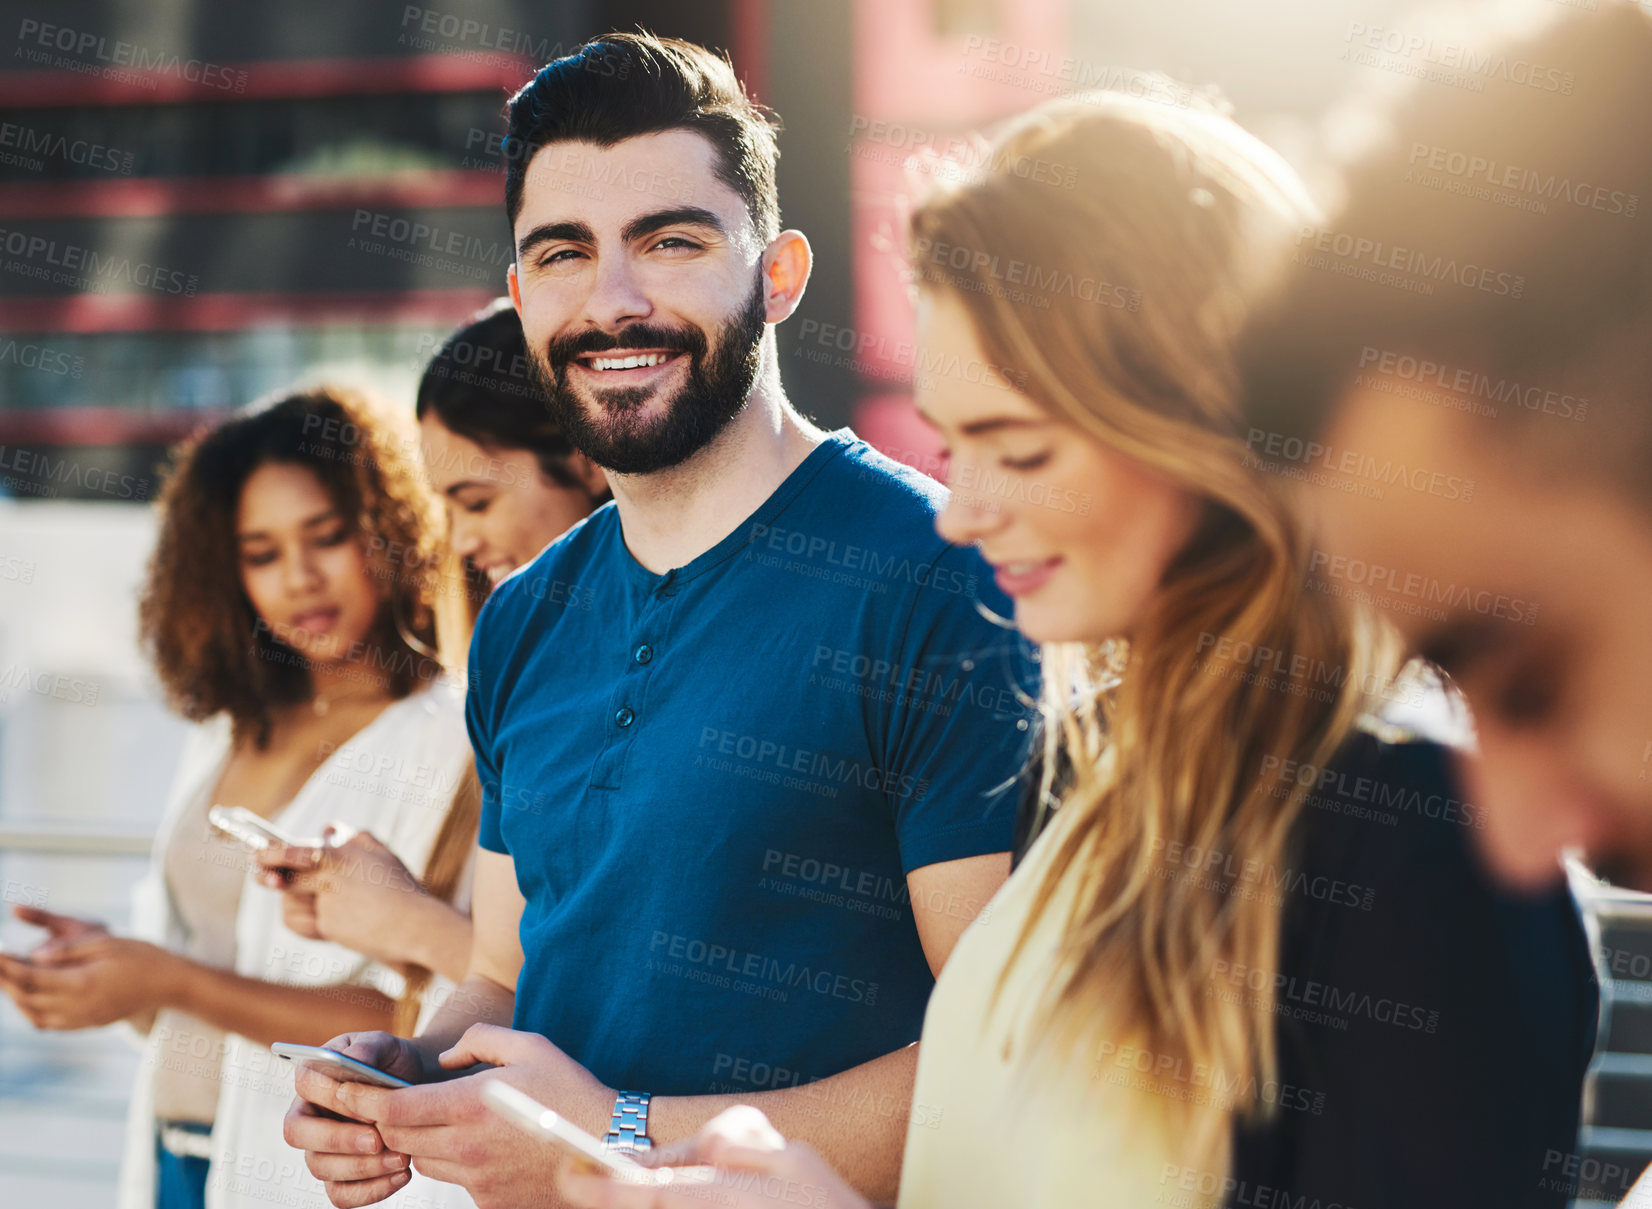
{"points": [[966, 699]]}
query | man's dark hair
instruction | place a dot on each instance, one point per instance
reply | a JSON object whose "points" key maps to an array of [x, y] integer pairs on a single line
{"points": [[623, 85], [1501, 236], [481, 386]]}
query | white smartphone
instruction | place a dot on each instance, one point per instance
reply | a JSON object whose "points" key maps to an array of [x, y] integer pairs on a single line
{"points": [[253, 830], [581, 1149], [335, 1065]]}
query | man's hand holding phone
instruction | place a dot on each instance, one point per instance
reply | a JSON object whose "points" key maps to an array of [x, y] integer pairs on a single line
{"points": [[446, 1127], [332, 1122]]}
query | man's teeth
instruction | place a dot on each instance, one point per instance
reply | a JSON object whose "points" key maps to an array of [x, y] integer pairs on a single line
{"points": [[629, 362], [1023, 568]]}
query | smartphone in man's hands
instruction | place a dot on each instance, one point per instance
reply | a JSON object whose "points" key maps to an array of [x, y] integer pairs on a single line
{"points": [[335, 1065]]}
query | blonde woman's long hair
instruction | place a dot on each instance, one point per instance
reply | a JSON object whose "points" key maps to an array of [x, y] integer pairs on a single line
{"points": [[1138, 244]]}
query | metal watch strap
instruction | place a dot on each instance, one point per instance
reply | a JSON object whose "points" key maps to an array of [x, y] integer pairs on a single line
{"points": [[629, 1130]]}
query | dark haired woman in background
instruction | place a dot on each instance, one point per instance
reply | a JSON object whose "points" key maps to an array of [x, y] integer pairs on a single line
{"points": [[510, 479], [289, 613]]}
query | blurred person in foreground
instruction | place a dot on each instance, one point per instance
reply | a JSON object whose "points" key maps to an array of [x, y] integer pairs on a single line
{"points": [[1248, 957], [288, 613], [511, 485], [759, 663], [1516, 398]]}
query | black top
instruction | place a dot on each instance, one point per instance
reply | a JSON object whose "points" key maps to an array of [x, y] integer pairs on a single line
{"points": [[1433, 1028]]}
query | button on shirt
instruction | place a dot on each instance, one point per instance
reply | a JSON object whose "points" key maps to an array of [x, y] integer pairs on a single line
{"points": [[713, 782]]}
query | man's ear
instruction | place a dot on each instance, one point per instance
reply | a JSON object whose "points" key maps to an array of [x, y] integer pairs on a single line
{"points": [[514, 287], [786, 264]]}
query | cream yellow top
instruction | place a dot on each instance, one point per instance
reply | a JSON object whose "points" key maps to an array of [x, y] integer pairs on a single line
{"points": [[989, 1129]]}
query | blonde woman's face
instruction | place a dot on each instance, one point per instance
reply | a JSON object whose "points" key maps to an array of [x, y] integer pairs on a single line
{"points": [[302, 565], [1078, 535]]}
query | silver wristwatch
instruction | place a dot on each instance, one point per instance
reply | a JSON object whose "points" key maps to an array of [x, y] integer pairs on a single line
{"points": [[629, 1130]]}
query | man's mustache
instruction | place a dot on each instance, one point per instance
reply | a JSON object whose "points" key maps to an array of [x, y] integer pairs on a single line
{"points": [[677, 340]]}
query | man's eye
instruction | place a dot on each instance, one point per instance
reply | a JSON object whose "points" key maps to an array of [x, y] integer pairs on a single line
{"points": [[676, 241], [558, 256]]}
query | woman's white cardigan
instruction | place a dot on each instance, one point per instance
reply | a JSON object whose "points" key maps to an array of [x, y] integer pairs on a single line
{"points": [[395, 778]]}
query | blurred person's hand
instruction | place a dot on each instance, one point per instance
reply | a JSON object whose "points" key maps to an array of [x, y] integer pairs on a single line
{"points": [[756, 1167], [342, 1148], [353, 891], [92, 980], [62, 930]]}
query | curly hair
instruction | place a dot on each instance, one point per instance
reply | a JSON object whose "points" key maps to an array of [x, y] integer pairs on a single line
{"points": [[207, 643]]}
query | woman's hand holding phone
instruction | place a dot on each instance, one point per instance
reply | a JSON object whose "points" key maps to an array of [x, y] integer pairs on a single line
{"points": [[352, 891], [741, 1144]]}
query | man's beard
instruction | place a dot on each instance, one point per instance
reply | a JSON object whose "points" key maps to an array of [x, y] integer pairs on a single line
{"points": [[618, 437]]}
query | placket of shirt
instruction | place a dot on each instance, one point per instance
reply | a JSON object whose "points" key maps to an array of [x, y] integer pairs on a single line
{"points": [[628, 703]]}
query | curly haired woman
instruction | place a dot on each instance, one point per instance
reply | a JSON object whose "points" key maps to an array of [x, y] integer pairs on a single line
{"points": [[290, 613]]}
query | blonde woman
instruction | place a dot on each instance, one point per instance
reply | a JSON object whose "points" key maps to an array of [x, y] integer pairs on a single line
{"points": [[1220, 974]]}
